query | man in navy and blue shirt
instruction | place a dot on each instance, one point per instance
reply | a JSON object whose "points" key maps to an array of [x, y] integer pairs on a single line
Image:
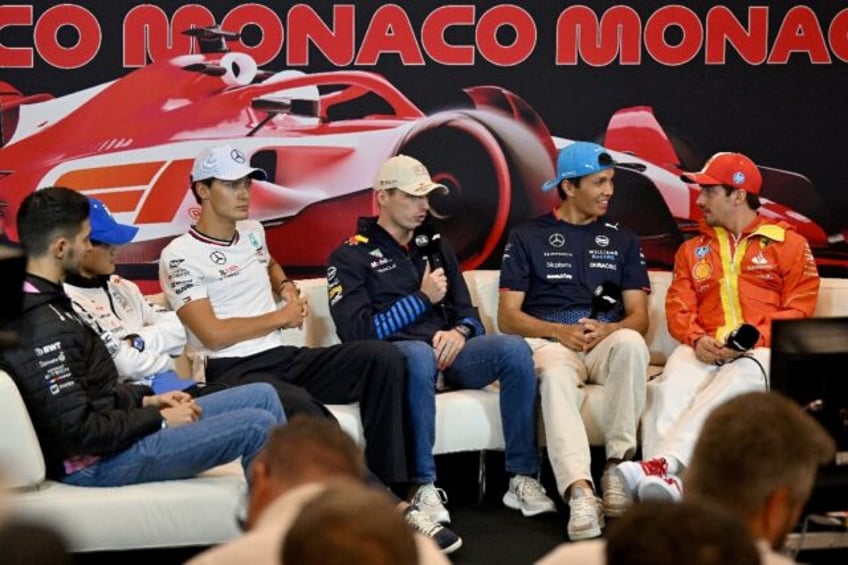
{"points": [[384, 286], [551, 268]]}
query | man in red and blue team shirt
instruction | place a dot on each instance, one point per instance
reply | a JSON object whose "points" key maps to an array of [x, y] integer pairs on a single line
{"points": [[575, 285], [383, 284]]}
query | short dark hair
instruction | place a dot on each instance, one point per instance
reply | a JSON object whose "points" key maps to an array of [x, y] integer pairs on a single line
{"points": [[699, 533], [207, 182], [751, 199], [49, 213], [307, 448]]}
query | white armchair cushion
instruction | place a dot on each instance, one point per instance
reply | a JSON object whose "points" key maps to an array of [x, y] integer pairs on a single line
{"points": [[20, 453]]}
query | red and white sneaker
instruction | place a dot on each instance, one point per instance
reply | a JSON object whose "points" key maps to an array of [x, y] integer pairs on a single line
{"points": [[632, 473], [660, 489]]}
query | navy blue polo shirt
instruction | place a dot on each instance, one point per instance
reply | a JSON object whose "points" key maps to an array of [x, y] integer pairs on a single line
{"points": [[558, 266]]}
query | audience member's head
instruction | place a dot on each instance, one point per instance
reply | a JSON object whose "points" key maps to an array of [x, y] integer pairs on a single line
{"points": [[696, 533], [304, 450], [349, 524], [757, 456], [26, 544], [51, 219]]}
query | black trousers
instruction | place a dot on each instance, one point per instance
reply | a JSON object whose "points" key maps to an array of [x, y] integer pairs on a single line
{"points": [[371, 373]]}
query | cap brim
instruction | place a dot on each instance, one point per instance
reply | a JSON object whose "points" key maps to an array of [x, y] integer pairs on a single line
{"points": [[241, 172], [236, 174], [700, 179], [548, 186], [118, 234], [426, 189]]}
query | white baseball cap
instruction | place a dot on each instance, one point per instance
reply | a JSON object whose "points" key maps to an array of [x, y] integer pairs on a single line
{"points": [[407, 174], [224, 162]]}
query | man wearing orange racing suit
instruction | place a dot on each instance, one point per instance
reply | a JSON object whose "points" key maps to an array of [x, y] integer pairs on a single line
{"points": [[741, 269]]}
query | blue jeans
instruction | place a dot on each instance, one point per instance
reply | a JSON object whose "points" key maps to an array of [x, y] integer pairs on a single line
{"points": [[484, 360], [234, 423]]}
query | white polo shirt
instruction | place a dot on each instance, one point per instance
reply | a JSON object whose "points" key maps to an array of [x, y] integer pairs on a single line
{"points": [[233, 275]]}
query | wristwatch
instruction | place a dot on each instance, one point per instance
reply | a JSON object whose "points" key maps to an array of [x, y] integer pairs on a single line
{"points": [[464, 330], [136, 341]]}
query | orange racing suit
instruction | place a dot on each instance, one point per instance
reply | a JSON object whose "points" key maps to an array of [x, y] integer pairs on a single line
{"points": [[721, 281]]}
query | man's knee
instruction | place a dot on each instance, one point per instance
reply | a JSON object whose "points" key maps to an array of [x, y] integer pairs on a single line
{"points": [[514, 352], [420, 361], [381, 354], [558, 381], [630, 343]]}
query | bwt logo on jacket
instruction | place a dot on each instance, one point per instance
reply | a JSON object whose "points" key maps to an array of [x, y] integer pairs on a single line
{"points": [[50, 348]]}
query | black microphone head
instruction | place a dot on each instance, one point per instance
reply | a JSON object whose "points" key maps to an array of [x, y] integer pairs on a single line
{"points": [[743, 338], [422, 241], [606, 297]]}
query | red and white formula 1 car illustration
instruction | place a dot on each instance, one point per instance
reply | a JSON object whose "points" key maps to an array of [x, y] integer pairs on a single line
{"points": [[321, 137], [636, 138]]}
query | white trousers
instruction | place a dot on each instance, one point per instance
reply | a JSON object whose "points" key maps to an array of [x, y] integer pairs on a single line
{"points": [[681, 398], [620, 363]]}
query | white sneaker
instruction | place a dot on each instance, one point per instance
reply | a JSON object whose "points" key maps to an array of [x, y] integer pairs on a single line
{"points": [[528, 495], [585, 515], [431, 501], [616, 498], [631, 473], [661, 489]]}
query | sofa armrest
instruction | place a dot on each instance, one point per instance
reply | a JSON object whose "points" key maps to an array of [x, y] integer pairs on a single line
{"points": [[20, 453]]}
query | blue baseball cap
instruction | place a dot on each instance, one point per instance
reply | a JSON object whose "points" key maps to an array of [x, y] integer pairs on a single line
{"points": [[104, 228], [579, 159]]}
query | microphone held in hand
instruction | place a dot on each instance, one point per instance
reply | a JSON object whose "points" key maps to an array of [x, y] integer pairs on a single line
{"points": [[743, 338], [606, 297], [430, 244]]}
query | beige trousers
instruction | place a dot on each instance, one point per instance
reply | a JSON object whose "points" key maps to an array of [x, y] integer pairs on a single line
{"points": [[620, 364]]}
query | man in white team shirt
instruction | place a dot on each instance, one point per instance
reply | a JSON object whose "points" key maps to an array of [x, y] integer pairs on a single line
{"points": [[143, 339], [222, 282]]}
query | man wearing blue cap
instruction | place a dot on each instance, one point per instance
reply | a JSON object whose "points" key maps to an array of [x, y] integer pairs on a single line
{"points": [[142, 339], [93, 429], [552, 267]]}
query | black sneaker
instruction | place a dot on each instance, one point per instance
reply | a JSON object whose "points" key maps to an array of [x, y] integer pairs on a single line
{"points": [[447, 541]]}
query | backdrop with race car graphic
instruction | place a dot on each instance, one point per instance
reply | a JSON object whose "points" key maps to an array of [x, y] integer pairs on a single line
{"points": [[115, 99]]}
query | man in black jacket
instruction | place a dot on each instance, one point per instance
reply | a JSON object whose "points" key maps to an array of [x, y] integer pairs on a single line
{"points": [[93, 430], [387, 283]]}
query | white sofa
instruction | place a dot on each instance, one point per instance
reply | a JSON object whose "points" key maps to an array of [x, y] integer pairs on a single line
{"points": [[200, 511], [469, 420]]}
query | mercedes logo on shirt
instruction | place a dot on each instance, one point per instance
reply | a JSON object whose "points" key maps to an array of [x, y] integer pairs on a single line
{"points": [[218, 257], [556, 240]]}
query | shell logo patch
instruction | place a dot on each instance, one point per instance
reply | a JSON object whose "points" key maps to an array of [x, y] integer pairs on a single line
{"points": [[701, 270]]}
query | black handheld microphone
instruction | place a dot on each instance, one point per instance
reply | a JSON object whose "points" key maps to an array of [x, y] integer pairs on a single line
{"points": [[430, 244], [742, 338], [606, 297]]}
